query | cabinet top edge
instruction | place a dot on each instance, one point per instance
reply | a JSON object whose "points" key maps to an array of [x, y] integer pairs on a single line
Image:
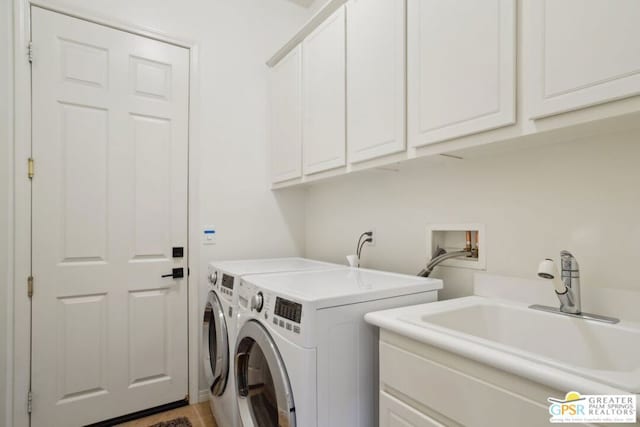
{"points": [[314, 22]]}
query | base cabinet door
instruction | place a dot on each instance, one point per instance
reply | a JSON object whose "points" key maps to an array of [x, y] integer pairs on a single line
{"points": [[323, 94], [394, 413], [375, 78], [286, 117], [581, 53], [460, 67]]}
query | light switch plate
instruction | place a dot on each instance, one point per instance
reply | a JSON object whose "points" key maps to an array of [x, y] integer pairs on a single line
{"points": [[209, 235]]}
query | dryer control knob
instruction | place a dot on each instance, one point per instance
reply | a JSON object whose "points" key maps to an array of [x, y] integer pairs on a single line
{"points": [[257, 302], [213, 277]]}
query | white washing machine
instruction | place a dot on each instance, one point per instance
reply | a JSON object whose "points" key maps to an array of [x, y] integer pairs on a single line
{"points": [[219, 325], [305, 357]]}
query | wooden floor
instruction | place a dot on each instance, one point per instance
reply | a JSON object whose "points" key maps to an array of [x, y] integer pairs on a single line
{"points": [[199, 415]]}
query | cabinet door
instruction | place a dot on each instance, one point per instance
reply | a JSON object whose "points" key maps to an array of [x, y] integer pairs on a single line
{"points": [[375, 78], [286, 118], [461, 68], [323, 76], [394, 413], [583, 52]]}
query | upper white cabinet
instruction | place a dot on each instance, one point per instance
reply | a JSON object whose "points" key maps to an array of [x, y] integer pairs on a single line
{"points": [[363, 80], [286, 117], [583, 52], [323, 94], [461, 68], [375, 78]]}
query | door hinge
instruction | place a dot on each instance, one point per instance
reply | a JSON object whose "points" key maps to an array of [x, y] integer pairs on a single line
{"points": [[30, 168], [29, 401], [30, 52], [30, 286]]}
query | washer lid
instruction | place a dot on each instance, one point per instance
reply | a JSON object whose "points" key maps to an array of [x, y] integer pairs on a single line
{"points": [[271, 265], [342, 286]]}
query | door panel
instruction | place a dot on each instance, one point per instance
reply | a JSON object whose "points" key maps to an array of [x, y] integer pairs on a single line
{"points": [[110, 119], [286, 117], [150, 78], [83, 135], [582, 53], [84, 64], [375, 78], [461, 68], [148, 336], [152, 138], [323, 95], [394, 413], [82, 365]]}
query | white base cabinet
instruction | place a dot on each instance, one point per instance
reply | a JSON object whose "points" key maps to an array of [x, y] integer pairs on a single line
{"points": [[395, 413], [421, 386]]}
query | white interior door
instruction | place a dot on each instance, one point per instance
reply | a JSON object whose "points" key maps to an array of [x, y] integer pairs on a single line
{"points": [[110, 142]]}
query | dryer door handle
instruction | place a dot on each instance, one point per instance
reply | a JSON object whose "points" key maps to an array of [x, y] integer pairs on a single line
{"points": [[242, 368]]}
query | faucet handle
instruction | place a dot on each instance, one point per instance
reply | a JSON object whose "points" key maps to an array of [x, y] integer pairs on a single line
{"points": [[569, 265]]}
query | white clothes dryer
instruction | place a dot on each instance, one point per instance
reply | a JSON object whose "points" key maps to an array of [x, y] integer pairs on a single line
{"points": [[305, 357], [219, 325]]}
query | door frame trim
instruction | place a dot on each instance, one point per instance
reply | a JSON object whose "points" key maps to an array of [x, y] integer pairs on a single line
{"points": [[18, 304]]}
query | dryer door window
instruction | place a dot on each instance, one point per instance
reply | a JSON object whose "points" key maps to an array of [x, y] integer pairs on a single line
{"points": [[264, 392], [215, 342]]}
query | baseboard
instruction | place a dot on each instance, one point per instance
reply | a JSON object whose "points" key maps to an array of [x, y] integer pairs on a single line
{"points": [[203, 395]]}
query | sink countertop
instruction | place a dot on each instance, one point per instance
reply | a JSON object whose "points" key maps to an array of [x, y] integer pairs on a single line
{"points": [[529, 343]]}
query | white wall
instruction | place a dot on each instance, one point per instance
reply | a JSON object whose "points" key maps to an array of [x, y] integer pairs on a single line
{"points": [[582, 196], [5, 170], [235, 38]]}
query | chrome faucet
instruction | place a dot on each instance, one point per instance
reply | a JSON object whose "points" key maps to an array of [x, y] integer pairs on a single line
{"points": [[570, 275], [567, 288]]}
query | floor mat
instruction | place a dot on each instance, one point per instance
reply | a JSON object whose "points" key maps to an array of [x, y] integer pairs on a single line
{"points": [[177, 422]]}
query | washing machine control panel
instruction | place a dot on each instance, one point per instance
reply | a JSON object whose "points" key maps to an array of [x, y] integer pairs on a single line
{"points": [[282, 313], [221, 282], [288, 310], [226, 285], [285, 314]]}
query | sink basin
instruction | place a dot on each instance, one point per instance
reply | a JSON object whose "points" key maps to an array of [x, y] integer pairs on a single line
{"points": [[581, 343], [571, 352]]}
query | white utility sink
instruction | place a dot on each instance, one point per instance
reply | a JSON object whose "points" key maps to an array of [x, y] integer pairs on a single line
{"points": [[560, 351]]}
